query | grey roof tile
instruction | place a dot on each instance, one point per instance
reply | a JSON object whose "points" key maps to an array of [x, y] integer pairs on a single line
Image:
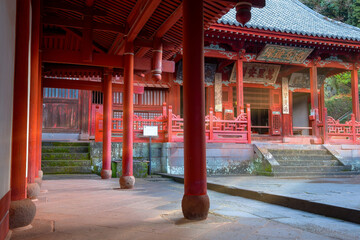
{"points": [[294, 17]]}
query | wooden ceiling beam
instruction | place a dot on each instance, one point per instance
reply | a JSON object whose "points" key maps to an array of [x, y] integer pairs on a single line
{"points": [[73, 23], [140, 21], [66, 6], [164, 28], [101, 60]]}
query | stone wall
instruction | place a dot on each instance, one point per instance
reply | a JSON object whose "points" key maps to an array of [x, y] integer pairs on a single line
{"points": [[222, 158], [347, 154]]}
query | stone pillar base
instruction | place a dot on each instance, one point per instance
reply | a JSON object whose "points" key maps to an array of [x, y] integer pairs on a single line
{"points": [[33, 190], [106, 174], [41, 174], [195, 207], [127, 182], [38, 180], [21, 213]]}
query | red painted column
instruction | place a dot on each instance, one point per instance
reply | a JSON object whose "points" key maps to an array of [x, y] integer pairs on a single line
{"points": [[314, 99], [355, 93], [106, 161], [239, 86], [195, 203], [20, 206], [33, 189], [127, 180]]}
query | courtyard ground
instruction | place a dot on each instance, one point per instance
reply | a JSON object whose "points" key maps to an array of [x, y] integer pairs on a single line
{"points": [[86, 207]]}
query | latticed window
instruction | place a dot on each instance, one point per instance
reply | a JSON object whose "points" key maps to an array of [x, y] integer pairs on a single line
{"points": [[61, 93]]}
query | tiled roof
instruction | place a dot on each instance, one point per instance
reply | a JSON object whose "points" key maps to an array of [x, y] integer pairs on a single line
{"points": [[291, 16]]}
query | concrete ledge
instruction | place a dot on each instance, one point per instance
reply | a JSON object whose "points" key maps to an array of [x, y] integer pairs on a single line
{"points": [[346, 214]]}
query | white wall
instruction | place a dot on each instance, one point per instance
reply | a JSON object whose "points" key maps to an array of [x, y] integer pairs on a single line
{"points": [[7, 50], [301, 111]]}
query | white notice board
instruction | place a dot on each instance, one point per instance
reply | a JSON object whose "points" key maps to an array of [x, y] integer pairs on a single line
{"points": [[150, 131]]}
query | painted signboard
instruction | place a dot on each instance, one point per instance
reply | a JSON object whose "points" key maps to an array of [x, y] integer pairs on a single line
{"points": [[284, 54], [285, 95], [258, 73], [218, 92]]}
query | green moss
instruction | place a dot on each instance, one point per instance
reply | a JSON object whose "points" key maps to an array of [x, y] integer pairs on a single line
{"points": [[260, 167]]}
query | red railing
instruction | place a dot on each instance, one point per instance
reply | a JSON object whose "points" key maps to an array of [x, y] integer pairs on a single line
{"points": [[171, 128], [341, 133]]}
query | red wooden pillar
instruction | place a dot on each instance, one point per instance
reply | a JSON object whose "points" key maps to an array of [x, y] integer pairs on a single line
{"points": [[286, 117], [195, 203], [314, 99], [106, 161], [322, 102], [127, 179], [355, 93], [22, 210], [33, 189], [239, 86]]}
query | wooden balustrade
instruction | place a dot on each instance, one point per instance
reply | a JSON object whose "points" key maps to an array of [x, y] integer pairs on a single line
{"points": [[171, 128]]}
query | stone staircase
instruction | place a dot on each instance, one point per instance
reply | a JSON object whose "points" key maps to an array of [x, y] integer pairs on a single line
{"points": [[307, 162], [66, 158]]}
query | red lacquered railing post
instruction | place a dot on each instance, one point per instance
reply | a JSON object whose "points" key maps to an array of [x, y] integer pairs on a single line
{"points": [[170, 124], [211, 124], [164, 109], [325, 126], [353, 128], [248, 112]]}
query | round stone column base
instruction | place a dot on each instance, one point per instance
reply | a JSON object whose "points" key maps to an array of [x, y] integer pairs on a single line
{"points": [[106, 174], [127, 182], [195, 207], [21, 213], [41, 174], [38, 180], [33, 190]]}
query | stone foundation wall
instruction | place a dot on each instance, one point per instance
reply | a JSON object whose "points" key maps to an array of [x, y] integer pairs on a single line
{"points": [[222, 158]]}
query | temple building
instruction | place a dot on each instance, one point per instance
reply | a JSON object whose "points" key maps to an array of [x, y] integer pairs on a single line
{"points": [[215, 83]]}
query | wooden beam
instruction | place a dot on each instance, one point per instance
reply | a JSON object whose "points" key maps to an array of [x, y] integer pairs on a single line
{"points": [[290, 71], [73, 23], [171, 21], [142, 17], [101, 60], [85, 85], [66, 6], [150, 43]]}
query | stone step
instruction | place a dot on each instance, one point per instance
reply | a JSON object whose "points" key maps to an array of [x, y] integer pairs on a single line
{"points": [[298, 169], [73, 144], [64, 163], [301, 157], [316, 174], [65, 149], [65, 156], [315, 162], [299, 151], [66, 170]]}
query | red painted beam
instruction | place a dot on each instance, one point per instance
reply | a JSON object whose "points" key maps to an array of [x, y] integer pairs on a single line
{"points": [[139, 22], [74, 23], [66, 6], [101, 60], [171, 21], [85, 85]]}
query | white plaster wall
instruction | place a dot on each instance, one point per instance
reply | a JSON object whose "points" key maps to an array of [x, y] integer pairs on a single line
{"points": [[301, 111], [7, 50]]}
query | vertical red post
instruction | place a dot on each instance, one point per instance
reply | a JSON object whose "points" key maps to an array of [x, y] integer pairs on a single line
{"points": [[314, 101], [170, 124], [355, 93], [353, 128], [248, 112], [322, 102], [211, 124], [127, 180], [157, 60], [164, 109], [325, 124], [195, 203], [33, 189], [239, 86], [20, 206], [107, 125]]}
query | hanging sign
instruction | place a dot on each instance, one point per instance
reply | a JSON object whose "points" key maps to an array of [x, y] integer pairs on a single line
{"points": [[218, 92], [258, 73], [285, 95], [284, 54]]}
